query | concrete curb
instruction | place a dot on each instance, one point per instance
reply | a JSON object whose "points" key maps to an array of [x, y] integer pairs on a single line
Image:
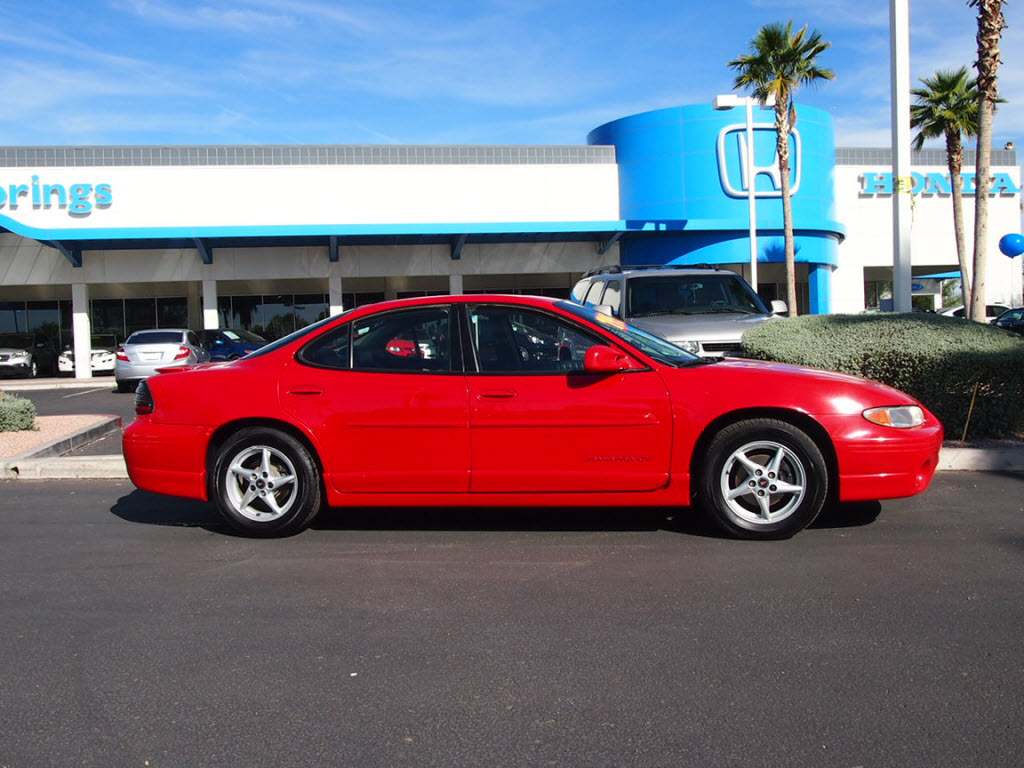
{"points": [[981, 459], [48, 460], [28, 385]]}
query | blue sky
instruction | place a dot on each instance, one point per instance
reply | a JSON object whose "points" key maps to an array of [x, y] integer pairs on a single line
{"points": [[444, 72]]}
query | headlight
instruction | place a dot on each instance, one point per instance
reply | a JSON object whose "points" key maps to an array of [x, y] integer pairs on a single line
{"points": [[19, 357], [899, 416], [690, 346]]}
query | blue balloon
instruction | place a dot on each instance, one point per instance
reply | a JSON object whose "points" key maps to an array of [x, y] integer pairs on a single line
{"points": [[1012, 245]]}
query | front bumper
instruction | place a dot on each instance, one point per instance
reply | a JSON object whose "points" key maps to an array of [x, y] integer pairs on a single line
{"points": [[885, 463]]}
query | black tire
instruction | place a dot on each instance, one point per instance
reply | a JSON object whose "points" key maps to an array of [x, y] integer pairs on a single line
{"points": [[763, 479], [266, 483]]}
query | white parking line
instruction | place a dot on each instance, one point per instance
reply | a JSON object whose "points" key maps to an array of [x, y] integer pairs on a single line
{"points": [[85, 392]]}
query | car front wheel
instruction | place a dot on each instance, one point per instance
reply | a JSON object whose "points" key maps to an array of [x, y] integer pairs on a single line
{"points": [[266, 483], [763, 479]]}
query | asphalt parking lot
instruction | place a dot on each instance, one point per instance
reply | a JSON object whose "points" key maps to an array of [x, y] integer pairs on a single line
{"points": [[139, 632]]}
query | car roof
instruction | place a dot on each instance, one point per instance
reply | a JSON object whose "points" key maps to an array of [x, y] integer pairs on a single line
{"points": [[541, 302], [657, 269]]}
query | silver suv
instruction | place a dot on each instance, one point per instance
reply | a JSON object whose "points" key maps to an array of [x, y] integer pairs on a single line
{"points": [[702, 309]]}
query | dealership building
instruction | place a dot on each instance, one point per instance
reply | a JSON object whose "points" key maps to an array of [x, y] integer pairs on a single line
{"points": [[116, 239]]}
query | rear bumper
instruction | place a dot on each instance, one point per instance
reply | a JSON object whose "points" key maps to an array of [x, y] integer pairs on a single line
{"points": [[167, 458]]}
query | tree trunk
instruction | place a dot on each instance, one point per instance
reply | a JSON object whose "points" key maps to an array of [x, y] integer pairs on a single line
{"points": [[990, 29], [982, 185], [954, 156], [782, 147]]}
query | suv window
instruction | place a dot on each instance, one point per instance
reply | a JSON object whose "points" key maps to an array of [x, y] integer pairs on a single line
{"points": [[594, 294], [689, 294], [580, 290], [613, 296]]}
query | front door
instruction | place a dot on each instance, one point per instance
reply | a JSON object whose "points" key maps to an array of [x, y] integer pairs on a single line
{"points": [[541, 424]]}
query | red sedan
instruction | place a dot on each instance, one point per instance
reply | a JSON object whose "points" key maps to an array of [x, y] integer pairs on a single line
{"points": [[440, 401]]}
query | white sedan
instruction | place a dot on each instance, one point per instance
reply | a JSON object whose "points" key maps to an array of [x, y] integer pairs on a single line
{"points": [[103, 360]]}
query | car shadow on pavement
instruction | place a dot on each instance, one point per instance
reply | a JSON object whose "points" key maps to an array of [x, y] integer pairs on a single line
{"points": [[154, 509]]}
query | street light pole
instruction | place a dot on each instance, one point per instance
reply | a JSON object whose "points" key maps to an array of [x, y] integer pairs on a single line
{"points": [[728, 101], [751, 195]]}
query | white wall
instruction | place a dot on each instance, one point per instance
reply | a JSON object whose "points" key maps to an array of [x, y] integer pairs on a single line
{"points": [[868, 219]]}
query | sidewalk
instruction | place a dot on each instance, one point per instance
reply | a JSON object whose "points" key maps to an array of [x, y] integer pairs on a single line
{"points": [[50, 460]]}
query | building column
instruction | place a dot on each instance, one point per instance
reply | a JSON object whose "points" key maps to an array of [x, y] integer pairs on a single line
{"points": [[335, 298], [211, 318], [820, 277], [455, 285], [81, 326]]}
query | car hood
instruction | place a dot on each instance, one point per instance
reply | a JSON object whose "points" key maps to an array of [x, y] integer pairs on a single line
{"points": [[9, 350], [755, 383], [715, 327]]}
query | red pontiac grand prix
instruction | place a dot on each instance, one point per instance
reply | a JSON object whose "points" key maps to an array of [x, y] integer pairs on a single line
{"points": [[517, 401]]}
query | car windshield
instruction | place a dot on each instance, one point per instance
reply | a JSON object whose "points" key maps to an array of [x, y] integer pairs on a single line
{"points": [[238, 334], [155, 337], [690, 295], [16, 340], [653, 346]]}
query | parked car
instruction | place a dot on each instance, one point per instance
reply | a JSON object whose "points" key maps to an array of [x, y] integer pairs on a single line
{"points": [[330, 415], [27, 354], [147, 352], [102, 359], [702, 309], [1011, 320], [230, 343], [992, 311]]}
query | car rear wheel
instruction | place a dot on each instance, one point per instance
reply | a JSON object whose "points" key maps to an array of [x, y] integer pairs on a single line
{"points": [[763, 479], [266, 483]]}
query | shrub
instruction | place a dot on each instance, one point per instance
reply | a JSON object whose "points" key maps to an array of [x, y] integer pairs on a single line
{"points": [[939, 360], [16, 413]]}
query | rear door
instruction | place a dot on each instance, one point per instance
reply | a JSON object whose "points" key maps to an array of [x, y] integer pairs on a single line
{"points": [[386, 402], [541, 424]]}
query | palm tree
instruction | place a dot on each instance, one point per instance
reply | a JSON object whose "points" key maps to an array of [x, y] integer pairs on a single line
{"points": [[991, 23], [779, 62], [947, 106]]}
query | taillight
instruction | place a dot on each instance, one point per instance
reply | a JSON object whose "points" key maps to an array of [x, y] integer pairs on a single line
{"points": [[122, 356], [183, 352], [144, 403]]}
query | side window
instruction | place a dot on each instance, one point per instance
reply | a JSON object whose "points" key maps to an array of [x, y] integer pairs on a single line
{"points": [[328, 350], [415, 340], [513, 340], [192, 339], [411, 340], [613, 296], [579, 291], [594, 294]]}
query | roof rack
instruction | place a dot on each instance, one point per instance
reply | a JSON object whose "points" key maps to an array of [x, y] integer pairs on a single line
{"points": [[614, 269]]}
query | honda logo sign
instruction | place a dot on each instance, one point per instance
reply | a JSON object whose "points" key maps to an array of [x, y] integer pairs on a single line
{"points": [[733, 138]]}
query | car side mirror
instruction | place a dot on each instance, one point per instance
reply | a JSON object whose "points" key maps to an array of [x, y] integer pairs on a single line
{"points": [[602, 358], [779, 307]]}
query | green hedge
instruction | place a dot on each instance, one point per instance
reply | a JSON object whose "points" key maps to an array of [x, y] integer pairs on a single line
{"points": [[937, 359], [16, 413]]}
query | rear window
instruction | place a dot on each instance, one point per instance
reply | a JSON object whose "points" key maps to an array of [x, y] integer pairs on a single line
{"points": [[155, 337]]}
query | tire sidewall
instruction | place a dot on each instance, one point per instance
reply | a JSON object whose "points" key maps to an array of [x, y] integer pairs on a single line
{"points": [[794, 439], [307, 479]]}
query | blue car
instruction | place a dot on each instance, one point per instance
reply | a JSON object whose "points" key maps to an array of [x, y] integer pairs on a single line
{"points": [[230, 343]]}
